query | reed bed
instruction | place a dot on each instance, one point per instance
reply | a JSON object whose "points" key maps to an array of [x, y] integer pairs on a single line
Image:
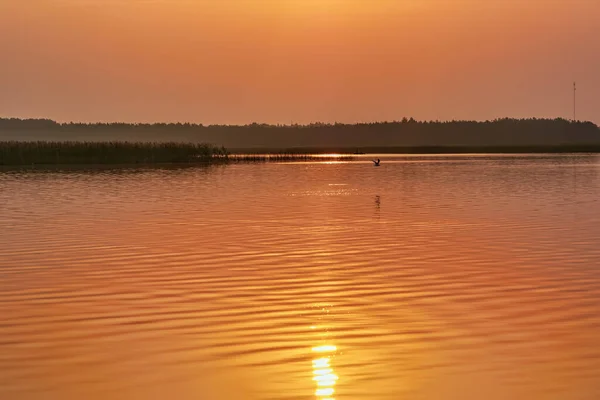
{"points": [[99, 153], [286, 157], [73, 152]]}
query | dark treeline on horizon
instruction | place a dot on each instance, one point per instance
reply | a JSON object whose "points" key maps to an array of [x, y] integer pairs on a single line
{"points": [[404, 133]]}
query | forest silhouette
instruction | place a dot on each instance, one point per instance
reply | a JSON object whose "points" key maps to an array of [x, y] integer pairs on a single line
{"points": [[406, 134]]}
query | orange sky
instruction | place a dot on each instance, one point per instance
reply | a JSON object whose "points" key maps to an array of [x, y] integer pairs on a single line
{"points": [[278, 61]]}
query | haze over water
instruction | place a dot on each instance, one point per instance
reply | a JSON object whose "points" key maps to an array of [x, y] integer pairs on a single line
{"points": [[456, 277]]}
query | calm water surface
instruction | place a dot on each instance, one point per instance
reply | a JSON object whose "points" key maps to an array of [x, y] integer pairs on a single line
{"points": [[460, 277]]}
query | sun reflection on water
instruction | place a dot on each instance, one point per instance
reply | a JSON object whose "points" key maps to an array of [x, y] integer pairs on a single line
{"points": [[323, 373]]}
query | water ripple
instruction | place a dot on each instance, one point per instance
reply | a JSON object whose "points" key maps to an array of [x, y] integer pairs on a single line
{"points": [[429, 277]]}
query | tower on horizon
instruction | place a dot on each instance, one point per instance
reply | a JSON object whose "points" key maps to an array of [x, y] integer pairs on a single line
{"points": [[574, 101]]}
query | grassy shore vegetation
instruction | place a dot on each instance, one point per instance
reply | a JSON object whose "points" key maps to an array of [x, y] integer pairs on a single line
{"points": [[59, 153], [14, 153], [288, 157]]}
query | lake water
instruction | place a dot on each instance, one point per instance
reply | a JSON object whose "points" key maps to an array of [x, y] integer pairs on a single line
{"points": [[454, 277]]}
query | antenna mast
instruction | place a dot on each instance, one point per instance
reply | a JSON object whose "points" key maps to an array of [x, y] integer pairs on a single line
{"points": [[574, 101]]}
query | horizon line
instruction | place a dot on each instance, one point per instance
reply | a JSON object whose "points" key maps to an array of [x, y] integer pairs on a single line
{"points": [[294, 124]]}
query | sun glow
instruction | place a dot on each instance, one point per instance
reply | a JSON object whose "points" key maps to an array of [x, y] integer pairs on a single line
{"points": [[329, 155], [323, 373], [324, 349]]}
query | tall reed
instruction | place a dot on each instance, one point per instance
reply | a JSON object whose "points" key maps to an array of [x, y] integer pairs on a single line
{"points": [[73, 152]]}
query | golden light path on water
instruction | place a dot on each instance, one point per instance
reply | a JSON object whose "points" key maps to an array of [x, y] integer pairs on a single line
{"points": [[323, 373]]}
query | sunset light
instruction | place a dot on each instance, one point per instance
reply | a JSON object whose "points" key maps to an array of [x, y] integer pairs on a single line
{"points": [[324, 376], [299, 199]]}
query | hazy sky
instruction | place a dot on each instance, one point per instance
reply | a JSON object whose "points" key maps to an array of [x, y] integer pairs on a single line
{"points": [[278, 61]]}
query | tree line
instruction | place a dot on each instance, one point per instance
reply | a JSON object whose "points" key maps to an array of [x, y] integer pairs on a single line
{"points": [[406, 132]]}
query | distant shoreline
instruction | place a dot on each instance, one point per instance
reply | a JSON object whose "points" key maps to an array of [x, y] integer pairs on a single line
{"points": [[594, 148]]}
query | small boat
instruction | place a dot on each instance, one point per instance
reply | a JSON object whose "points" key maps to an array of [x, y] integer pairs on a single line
{"points": [[377, 162]]}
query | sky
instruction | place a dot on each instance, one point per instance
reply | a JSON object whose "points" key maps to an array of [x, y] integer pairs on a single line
{"points": [[298, 61]]}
